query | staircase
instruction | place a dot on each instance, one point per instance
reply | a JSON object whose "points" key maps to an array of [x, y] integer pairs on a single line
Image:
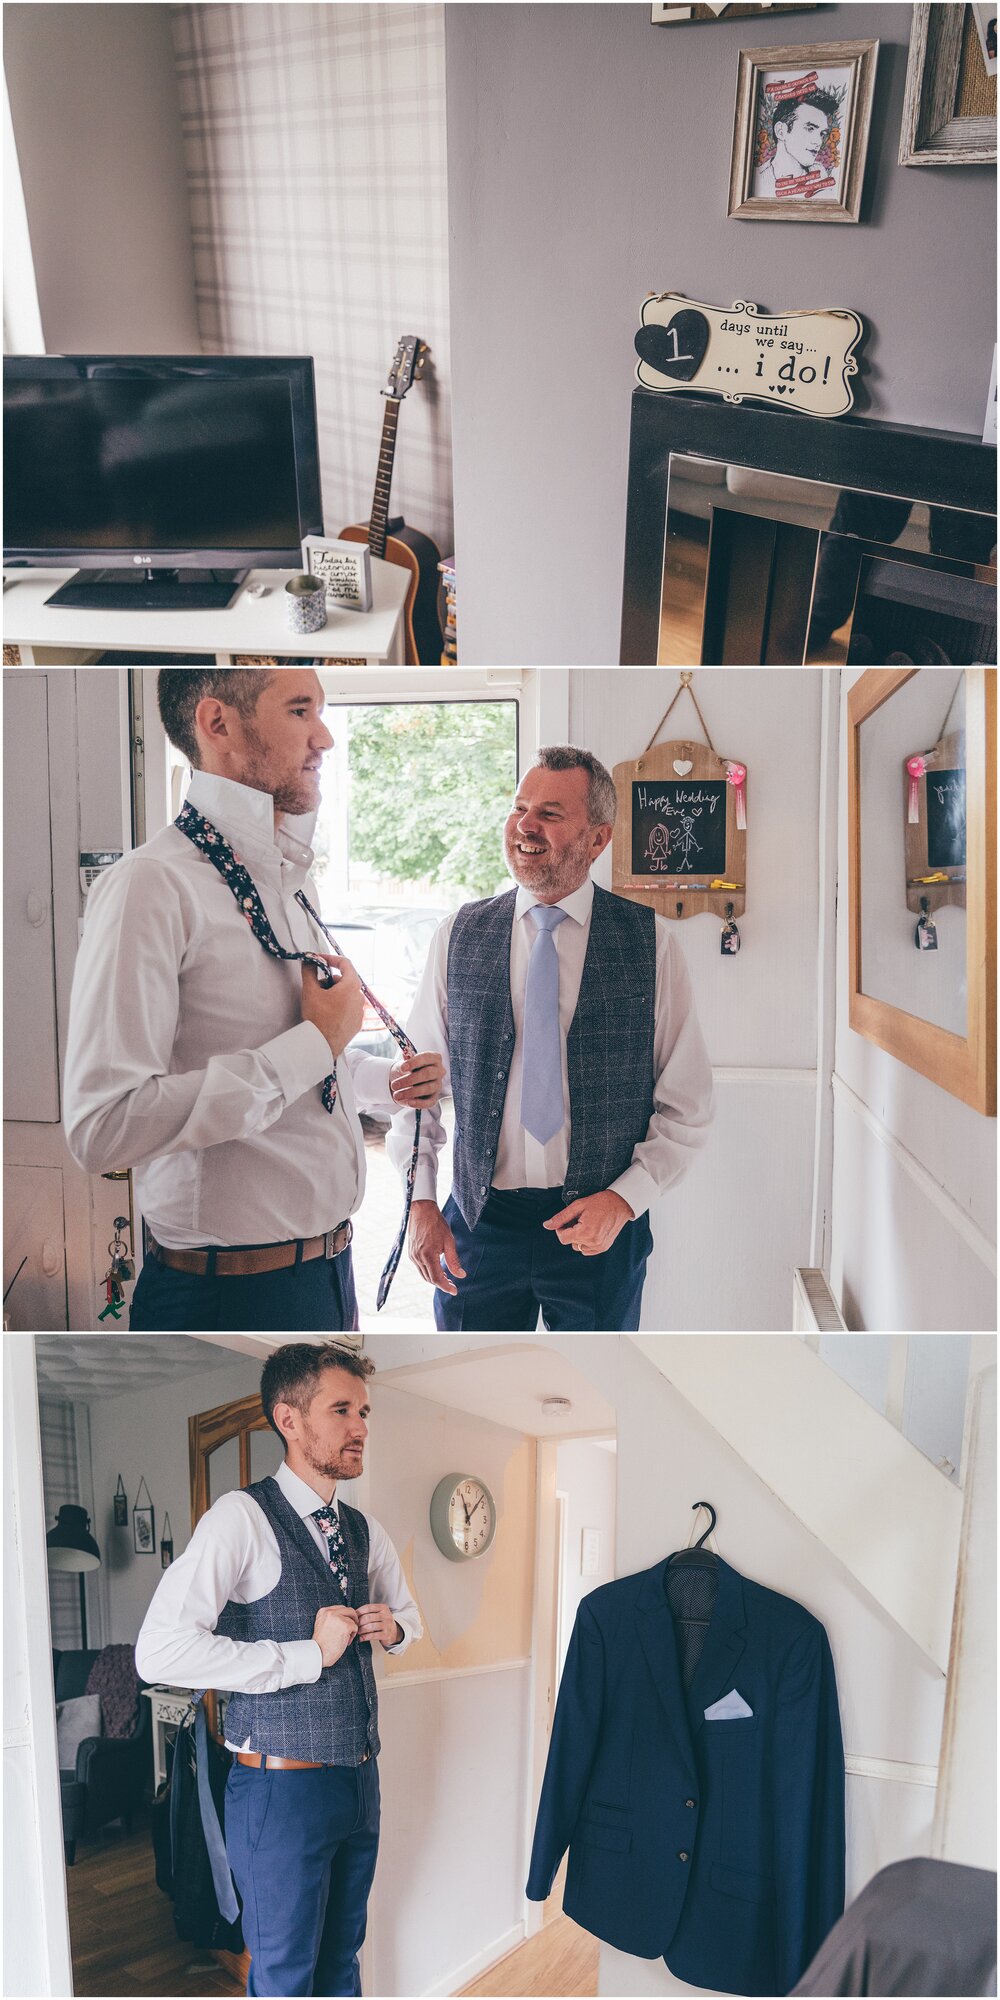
{"points": [[874, 1501]]}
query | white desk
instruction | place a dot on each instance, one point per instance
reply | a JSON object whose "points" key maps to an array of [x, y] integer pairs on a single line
{"points": [[250, 632]]}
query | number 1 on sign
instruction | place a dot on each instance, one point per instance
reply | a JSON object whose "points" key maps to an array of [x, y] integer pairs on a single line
{"points": [[672, 335]]}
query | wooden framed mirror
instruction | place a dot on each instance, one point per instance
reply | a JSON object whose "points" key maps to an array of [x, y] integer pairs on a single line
{"points": [[914, 733]]}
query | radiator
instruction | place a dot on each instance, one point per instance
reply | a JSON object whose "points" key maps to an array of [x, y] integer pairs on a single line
{"points": [[814, 1308]]}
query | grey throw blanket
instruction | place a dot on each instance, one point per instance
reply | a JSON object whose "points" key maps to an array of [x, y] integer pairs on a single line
{"points": [[920, 1927]]}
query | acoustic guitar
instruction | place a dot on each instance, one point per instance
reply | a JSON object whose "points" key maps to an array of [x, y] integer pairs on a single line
{"points": [[393, 540]]}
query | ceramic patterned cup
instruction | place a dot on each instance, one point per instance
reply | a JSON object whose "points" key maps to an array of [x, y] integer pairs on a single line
{"points": [[305, 603]]}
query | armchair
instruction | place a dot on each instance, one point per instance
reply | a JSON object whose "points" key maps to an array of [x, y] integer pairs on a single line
{"points": [[111, 1771]]}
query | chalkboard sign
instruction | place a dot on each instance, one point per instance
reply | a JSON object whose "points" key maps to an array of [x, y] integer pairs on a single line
{"points": [[679, 827], [946, 819]]}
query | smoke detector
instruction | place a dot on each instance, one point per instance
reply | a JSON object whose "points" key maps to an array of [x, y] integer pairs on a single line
{"points": [[553, 1406]]}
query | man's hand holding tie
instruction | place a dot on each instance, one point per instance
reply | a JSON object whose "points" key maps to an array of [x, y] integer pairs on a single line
{"points": [[591, 1223], [416, 1080]]}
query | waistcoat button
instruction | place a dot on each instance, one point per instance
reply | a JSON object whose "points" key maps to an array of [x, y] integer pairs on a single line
{"points": [[689, 1802], [683, 1855]]}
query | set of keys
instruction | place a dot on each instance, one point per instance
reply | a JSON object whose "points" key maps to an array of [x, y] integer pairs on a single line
{"points": [[121, 1273]]}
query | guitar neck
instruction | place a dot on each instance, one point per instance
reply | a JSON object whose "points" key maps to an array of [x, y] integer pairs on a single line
{"points": [[383, 478]]}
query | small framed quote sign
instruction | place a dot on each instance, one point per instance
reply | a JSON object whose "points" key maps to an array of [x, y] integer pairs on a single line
{"points": [[804, 360], [680, 838], [346, 568]]}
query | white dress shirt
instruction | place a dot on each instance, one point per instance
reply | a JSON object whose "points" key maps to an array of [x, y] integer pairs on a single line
{"points": [[682, 1093], [233, 1557], [188, 1059]]}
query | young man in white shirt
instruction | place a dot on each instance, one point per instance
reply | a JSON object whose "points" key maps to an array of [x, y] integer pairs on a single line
{"points": [[277, 1601], [203, 1054], [581, 1081]]}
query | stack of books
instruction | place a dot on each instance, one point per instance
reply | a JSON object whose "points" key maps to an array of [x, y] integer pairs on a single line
{"points": [[449, 657]]}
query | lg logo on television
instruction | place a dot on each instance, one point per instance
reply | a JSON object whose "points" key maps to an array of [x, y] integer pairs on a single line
{"points": [[142, 560]]}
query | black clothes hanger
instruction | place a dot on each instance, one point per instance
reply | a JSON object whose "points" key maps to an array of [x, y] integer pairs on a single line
{"points": [[690, 1584], [699, 1557]]}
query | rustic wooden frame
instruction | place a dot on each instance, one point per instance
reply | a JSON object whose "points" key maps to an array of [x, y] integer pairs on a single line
{"points": [[965, 1066], [673, 895], [930, 134], [861, 58]]}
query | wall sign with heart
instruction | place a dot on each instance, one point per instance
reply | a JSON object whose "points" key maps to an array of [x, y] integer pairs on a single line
{"points": [[804, 360], [680, 838]]}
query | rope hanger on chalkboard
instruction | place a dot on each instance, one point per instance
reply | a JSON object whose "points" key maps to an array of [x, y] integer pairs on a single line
{"points": [[686, 679]]}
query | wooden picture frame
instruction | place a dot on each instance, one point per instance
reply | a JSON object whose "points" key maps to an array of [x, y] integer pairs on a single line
{"points": [[855, 61], [965, 1066], [682, 892], [936, 132]]}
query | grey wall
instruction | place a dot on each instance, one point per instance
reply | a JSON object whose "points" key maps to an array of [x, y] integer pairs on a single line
{"points": [[97, 126], [144, 1435], [589, 156]]}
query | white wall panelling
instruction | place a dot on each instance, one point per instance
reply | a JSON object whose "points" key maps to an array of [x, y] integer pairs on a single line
{"points": [[36, 1946], [965, 1825]]}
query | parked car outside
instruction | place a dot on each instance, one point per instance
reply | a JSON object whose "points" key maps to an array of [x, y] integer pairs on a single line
{"points": [[388, 948]]}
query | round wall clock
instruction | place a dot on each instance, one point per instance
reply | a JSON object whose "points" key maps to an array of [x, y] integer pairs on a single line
{"points": [[463, 1516]]}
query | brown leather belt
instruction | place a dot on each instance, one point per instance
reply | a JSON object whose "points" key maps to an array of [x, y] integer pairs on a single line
{"points": [[257, 1761], [250, 1262]]}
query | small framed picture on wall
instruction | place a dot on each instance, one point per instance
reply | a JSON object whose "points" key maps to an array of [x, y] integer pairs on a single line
{"points": [[801, 134]]}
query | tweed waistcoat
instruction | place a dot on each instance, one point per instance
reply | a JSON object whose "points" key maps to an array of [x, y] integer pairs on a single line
{"points": [[330, 1721], [609, 1047]]}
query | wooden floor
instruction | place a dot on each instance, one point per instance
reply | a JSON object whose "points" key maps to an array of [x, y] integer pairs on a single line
{"points": [[561, 1959], [122, 1927], [124, 1941]]}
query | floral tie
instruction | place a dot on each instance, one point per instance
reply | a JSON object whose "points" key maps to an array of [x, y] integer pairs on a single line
{"points": [[216, 849], [327, 1521]]}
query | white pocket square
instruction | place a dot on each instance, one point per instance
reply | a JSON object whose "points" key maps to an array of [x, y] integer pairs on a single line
{"points": [[729, 1709]]}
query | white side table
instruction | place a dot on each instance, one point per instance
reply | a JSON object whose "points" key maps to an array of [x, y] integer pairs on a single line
{"points": [[251, 632], [169, 1706]]}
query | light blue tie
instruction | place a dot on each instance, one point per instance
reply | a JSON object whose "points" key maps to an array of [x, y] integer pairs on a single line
{"points": [[542, 1111]]}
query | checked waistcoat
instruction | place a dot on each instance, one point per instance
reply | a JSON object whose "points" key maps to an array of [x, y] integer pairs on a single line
{"points": [[609, 1047], [330, 1721]]}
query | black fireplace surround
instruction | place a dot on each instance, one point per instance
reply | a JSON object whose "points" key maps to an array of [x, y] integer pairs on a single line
{"points": [[765, 537]]}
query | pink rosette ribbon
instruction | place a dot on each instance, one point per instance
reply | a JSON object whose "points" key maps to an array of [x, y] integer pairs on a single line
{"points": [[736, 775], [916, 769]]}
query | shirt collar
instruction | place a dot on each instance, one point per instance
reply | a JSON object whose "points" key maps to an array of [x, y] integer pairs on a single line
{"points": [[246, 818], [578, 905], [303, 1498]]}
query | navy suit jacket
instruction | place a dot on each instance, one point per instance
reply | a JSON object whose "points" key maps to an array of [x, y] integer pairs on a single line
{"points": [[716, 1844]]}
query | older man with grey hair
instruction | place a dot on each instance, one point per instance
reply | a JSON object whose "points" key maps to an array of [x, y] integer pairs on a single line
{"points": [[581, 1082]]}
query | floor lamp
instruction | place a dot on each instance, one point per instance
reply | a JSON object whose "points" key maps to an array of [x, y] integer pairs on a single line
{"points": [[72, 1548]]}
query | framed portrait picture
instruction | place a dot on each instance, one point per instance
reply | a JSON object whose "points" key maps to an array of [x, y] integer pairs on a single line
{"points": [[346, 568], [801, 134]]}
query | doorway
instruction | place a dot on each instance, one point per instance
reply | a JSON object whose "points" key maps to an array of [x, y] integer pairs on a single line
{"points": [[416, 790]]}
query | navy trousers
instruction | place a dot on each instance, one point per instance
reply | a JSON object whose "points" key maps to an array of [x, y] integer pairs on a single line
{"points": [[515, 1268], [302, 1846], [317, 1297]]}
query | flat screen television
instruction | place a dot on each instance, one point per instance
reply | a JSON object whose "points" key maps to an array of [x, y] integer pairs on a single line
{"points": [[168, 476]]}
